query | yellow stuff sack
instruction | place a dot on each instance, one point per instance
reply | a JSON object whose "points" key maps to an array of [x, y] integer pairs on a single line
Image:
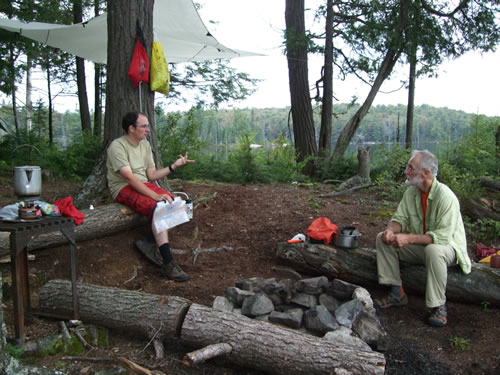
{"points": [[160, 77]]}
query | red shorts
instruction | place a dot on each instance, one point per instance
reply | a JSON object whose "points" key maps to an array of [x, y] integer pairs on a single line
{"points": [[138, 202]]}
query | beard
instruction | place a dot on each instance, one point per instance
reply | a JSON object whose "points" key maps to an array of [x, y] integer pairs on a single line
{"points": [[415, 181]]}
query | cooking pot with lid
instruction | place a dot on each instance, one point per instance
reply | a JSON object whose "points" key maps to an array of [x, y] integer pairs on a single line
{"points": [[348, 237]]}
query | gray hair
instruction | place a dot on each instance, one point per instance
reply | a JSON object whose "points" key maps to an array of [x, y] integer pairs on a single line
{"points": [[427, 161]]}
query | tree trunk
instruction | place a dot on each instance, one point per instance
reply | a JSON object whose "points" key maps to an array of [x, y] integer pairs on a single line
{"points": [[359, 266], [497, 146], [325, 133], [144, 314], [256, 344], [49, 98], [100, 222], [391, 57], [82, 96], [29, 90], [121, 96], [296, 47], [411, 100], [80, 75], [14, 99], [364, 162], [97, 100], [98, 71]]}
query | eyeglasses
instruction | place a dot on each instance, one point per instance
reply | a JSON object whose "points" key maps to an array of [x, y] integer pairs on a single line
{"points": [[411, 169], [143, 126]]}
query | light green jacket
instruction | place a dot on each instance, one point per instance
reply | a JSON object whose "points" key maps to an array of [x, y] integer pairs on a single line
{"points": [[443, 219]]}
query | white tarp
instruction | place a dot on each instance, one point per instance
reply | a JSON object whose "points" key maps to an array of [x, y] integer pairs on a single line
{"points": [[176, 25]]}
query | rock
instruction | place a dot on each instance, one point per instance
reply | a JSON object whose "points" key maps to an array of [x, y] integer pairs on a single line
{"points": [[314, 285], [256, 305], [287, 290], [340, 289], [330, 302], [364, 296], [290, 318], [253, 284], [319, 320], [370, 330], [345, 336], [305, 300], [237, 296], [348, 311], [222, 303]]}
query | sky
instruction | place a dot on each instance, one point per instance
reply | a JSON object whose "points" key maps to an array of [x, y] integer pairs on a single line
{"points": [[470, 83]]}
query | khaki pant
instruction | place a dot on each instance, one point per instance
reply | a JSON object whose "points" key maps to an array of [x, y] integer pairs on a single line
{"points": [[436, 259]]}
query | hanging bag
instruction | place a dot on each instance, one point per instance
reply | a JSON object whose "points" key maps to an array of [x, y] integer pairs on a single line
{"points": [[160, 77], [139, 66]]}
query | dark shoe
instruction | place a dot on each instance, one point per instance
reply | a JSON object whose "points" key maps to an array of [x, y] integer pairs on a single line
{"points": [[391, 300], [438, 317], [174, 272]]}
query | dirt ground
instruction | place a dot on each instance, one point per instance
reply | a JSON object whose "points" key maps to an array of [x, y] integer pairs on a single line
{"points": [[252, 220]]}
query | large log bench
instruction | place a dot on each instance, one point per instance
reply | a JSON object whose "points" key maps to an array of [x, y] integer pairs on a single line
{"points": [[359, 266]]}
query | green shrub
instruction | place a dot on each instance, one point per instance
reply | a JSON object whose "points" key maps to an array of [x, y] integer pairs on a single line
{"points": [[74, 163], [336, 170], [476, 154]]}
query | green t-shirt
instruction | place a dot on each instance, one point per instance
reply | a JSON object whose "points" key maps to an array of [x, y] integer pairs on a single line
{"points": [[443, 219], [122, 153]]}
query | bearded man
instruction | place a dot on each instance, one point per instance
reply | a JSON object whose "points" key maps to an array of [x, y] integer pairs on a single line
{"points": [[427, 229]]}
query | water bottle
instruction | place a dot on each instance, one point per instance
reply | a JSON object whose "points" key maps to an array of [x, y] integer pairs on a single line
{"points": [[189, 204]]}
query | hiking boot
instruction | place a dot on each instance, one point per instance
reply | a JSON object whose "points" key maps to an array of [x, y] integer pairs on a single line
{"points": [[438, 317], [174, 272], [391, 300]]}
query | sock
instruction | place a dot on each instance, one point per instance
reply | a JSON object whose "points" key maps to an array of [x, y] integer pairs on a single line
{"points": [[166, 253], [397, 290]]}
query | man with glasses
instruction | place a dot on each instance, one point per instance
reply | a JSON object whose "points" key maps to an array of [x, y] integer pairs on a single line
{"points": [[427, 229], [131, 171]]}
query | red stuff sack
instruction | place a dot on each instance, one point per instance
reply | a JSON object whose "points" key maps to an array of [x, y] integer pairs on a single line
{"points": [[322, 229], [139, 67]]}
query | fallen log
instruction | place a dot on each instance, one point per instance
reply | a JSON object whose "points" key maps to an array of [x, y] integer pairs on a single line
{"points": [[253, 343], [359, 266], [147, 315], [489, 183], [99, 222], [274, 349], [347, 191]]}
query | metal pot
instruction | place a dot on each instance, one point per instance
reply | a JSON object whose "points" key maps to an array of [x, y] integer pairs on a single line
{"points": [[348, 237], [27, 181]]}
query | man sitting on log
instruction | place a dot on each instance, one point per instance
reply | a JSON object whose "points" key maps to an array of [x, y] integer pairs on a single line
{"points": [[427, 228], [131, 169]]}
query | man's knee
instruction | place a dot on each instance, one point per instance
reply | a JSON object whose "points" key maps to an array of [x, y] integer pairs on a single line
{"points": [[438, 253]]}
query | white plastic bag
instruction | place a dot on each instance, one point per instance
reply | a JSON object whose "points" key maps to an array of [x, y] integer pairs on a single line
{"points": [[169, 215]]}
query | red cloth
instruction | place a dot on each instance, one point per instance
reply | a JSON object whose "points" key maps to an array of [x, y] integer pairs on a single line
{"points": [[66, 207], [322, 229], [483, 251]]}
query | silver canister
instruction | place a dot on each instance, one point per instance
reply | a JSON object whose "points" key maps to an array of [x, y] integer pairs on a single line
{"points": [[189, 205]]}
